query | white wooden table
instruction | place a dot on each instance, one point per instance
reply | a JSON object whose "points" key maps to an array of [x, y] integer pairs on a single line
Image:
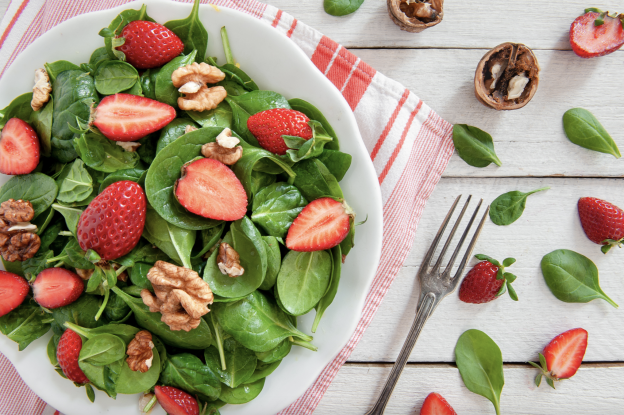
{"points": [[438, 65]]}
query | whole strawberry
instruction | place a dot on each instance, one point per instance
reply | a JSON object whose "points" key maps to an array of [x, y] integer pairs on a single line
{"points": [[487, 281], [149, 45], [602, 222], [269, 126], [562, 357], [113, 222], [597, 33], [67, 352]]}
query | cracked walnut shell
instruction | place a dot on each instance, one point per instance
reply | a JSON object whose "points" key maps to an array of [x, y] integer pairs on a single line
{"points": [[182, 297], [17, 240], [41, 90], [140, 354], [507, 77], [416, 15], [228, 261], [191, 81]]}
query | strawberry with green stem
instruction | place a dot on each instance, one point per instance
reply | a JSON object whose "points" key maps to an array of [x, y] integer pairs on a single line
{"points": [[487, 281], [603, 222]]}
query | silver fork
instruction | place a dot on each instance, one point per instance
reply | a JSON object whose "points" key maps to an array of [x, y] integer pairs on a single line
{"points": [[434, 286]]}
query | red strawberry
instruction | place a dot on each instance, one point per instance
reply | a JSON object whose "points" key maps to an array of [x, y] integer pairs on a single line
{"points": [[67, 352], [19, 148], [322, 224], [113, 222], [13, 290], [210, 189], [149, 45], [435, 404], [175, 401], [126, 117], [57, 287], [487, 281], [562, 356], [590, 38], [602, 222], [269, 126]]}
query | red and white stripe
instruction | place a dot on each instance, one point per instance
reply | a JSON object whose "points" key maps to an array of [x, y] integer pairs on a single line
{"points": [[410, 146]]}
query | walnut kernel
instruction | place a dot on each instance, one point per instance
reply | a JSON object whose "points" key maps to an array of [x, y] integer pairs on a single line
{"points": [[140, 354], [189, 128], [225, 149], [18, 242], [228, 261], [191, 80], [416, 15], [129, 146], [41, 90]]}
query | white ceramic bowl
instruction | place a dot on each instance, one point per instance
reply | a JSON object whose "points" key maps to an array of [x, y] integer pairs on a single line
{"points": [[277, 64]]}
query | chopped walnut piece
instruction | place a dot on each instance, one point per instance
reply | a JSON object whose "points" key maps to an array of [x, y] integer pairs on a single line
{"points": [[190, 128], [85, 274], [16, 211], [228, 261], [129, 146], [191, 80], [121, 277], [181, 295], [225, 139], [20, 247], [41, 90], [18, 242], [140, 354], [225, 149]]}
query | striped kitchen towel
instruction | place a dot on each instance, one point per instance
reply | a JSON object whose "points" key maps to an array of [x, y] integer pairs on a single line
{"points": [[410, 146]]}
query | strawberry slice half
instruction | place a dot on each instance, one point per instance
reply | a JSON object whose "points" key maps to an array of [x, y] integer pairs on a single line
{"points": [[210, 189], [126, 117], [19, 148], [13, 291], [562, 357], [435, 404], [590, 39], [322, 224], [175, 401], [57, 287]]}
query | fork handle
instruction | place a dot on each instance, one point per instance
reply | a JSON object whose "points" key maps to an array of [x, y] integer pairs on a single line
{"points": [[425, 309]]}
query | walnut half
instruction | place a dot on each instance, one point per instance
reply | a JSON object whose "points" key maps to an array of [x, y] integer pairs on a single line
{"points": [[416, 15], [228, 261], [18, 242], [140, 354], [191, 81], [41, 90], [225, 149], [182, 297]]}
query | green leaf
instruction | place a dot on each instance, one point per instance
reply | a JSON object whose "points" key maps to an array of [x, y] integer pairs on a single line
{"points": [[187, 372], [550, 382], [474, 146], [512, 291], [480, 363], [341, 7], [337, 162], [502, 290], [41, 121], [538, 379], [543, 361], [54, 69], [74, 94], [218, 117], [314, 113], [25, 324], [263, 370], [81, 312], [274, 262], [74, 183], [71, 215], [191, 32], [510, 277], [583, 129], [98, 56], [172, 240], [113, 77], [330, 294], [124, 331], [242, 394], [174, 130], [507, 262], [487, 258], [508, 207], [134, 175], [275, 208], [276, 354], [102, 350], [116, 26], [572, 277], [163, 88], [314, 180], [301, 149], [90, 392], [102, 154], [240, 363], [37, 188], [130, 382]]}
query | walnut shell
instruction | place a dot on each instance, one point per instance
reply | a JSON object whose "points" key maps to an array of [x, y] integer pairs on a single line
{"points": [[415, 24], [514, 59]]}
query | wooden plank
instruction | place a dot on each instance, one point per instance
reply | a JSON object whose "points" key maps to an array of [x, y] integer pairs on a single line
{"points": [[521, 328], [541, 25], [529, 141], [356, 387]]}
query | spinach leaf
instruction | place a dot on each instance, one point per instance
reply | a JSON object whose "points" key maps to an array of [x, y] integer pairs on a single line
{"points": [[263, 370], [209, 238], [142, 252], [187, 372], [274, 262], [115, 28], [99, 56], [474, 146], [314, 113], [54, 69], [191, 32], [41, 121], [246, 105], [341, 7], [124, 331], [18, 108], [240, 363], [74, 94], [76, 258], [14, 267], [301, 149], [134, 175], [337, 162], [349, 242], [232, 88], [51, 351], [103, 377], [198, 338], [572, 277], [74, 183], [508, 207], [260, 180], [33, 266], [303, 279], [42, 222], [113, 77], [330, 294], [172, 240], [25, 324], [102, 350], [71, 215], [116, 309], [276, 354], [37, 188], [130, 382], [81, 312], [314, 180], [583, 129], [163, 88], [218, 117], [147, 81], [166, 170], [256, 322], [275, 207], [102, 154], [138, 275], [236, 75], [63, 150], [147, 150], [172, 131], [242, 394]]}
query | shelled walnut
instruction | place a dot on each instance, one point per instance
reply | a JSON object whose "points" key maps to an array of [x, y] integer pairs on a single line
{"points": [[41, 90], [416, 15], [18, 242], [225, 149], [140, 354], [507, 77], [191, 80], [228, 261]]}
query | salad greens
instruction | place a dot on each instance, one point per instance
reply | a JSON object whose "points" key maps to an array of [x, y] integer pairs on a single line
{"points": [[583, 129], [474, 146]]}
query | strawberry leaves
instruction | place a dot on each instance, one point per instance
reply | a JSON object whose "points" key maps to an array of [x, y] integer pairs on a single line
{"points": [[543, 372], [301, 149], [507, 277]]}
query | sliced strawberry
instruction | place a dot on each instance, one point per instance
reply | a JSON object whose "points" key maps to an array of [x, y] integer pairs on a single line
{"points": [[149, 45], [175, 401], [322, 224], [67, 352], [435, 404], [565, 352], [57, 287], [269, 126], [590, 41], [13, 290], [19, 148], [210, 189], [126, 117]]}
